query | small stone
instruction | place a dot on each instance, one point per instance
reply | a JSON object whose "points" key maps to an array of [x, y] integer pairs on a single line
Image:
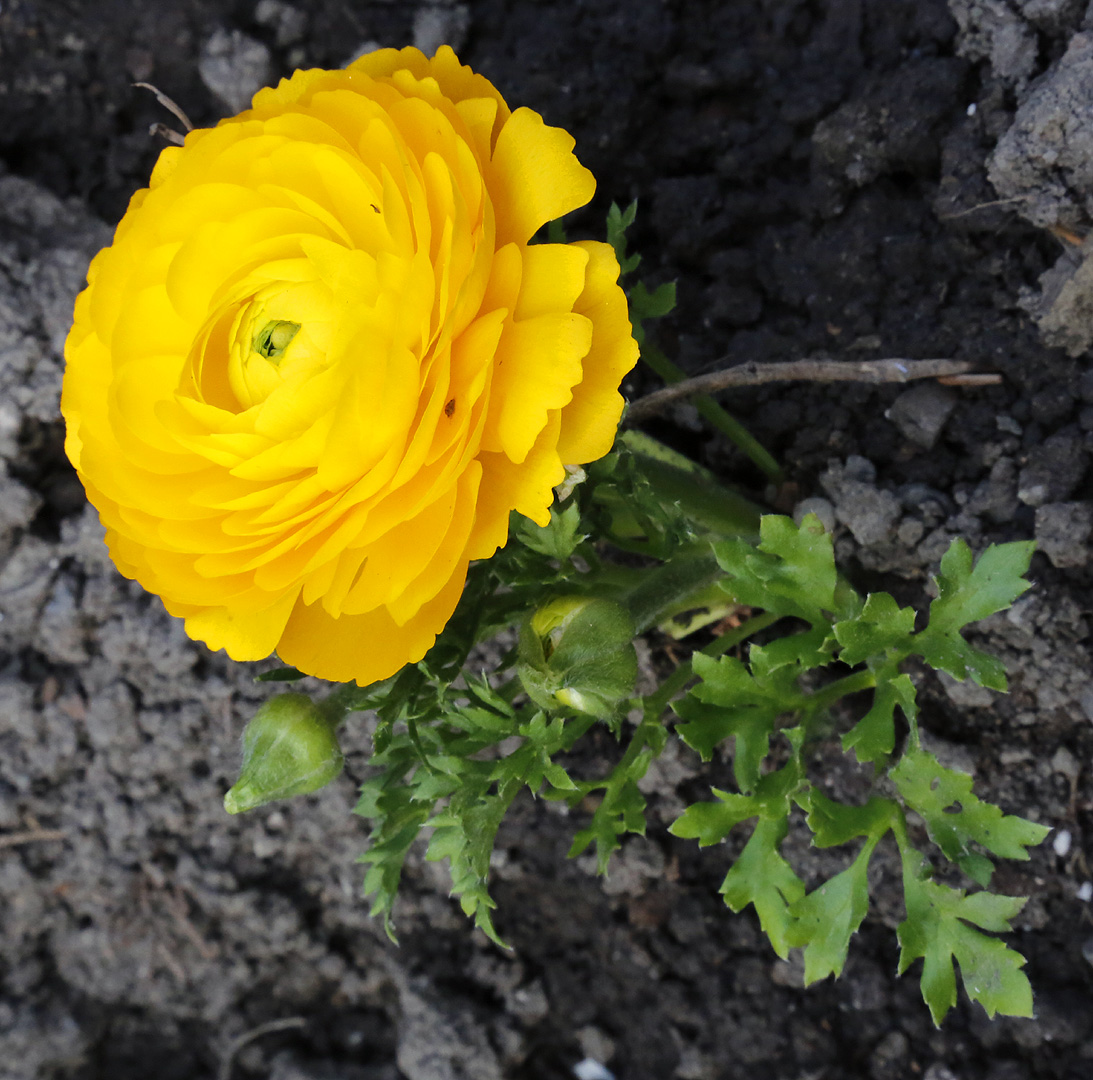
{"points": [[1063, 761], [1063, 532], [1060, 843], [966, 694], [821, 507], [921, 412], [436, 26], [1054, 469], [1085, 891], [287, 22], [234, 67]]}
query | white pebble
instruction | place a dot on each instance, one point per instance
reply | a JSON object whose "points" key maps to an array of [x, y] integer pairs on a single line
{"points": [[971, 109], [1061, 842], [1085, 891], [591, 1069]]}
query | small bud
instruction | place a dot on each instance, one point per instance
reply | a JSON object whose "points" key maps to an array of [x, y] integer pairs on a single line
{"points": [[289, 748], [579, 652]]}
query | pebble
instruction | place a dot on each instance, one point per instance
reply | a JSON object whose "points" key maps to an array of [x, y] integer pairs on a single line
{"points": [[920, 413], [591, 1069], [436, 26], [1085, 891], [234, 67], [1061, 843]]}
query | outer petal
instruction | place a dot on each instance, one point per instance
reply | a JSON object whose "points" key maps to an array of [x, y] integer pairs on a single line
{"points": [[365, 648], [590, 420], [534, 177]]}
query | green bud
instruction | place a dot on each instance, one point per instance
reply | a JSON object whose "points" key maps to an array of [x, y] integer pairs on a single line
{"points": [[289, 748], [579, 652]]}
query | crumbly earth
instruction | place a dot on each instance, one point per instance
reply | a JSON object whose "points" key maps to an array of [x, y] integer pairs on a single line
{"points": [[823, 178]]}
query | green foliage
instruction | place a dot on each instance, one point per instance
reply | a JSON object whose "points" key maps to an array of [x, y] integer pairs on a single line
{"points": [[791, 574], [642, 539]]}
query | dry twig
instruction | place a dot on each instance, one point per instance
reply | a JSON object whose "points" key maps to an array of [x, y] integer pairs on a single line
{"points": [[752, 374], [30, 836], [289, 1023]]}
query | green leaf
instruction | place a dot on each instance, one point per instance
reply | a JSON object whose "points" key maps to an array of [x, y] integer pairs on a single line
{"points": [[761, 877], [937, 930], [618, 221], [967, 594], [873, 737], [955, 817], [559, 539], [622, 811], [827, 918], [729, 703], [804, 652], [791, 573], [281, 674], [710, 822], [880, 625], [833, 823]]}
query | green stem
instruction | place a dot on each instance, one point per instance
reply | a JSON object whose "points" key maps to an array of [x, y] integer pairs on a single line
{"points": [[849, 684], [724, 421]]}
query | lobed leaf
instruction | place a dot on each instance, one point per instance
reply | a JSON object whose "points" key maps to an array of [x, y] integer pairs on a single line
{"points": [[937, 930], [762, 878], [956, 818]]}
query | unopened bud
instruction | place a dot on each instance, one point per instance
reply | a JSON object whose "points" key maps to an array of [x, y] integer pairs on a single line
{"points": [[579, 652], [289, 748]]}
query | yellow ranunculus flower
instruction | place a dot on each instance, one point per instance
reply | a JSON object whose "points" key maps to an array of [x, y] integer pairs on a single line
{"points": [[321, 361]]}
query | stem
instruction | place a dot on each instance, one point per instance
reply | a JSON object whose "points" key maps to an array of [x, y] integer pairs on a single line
{"points": [[849, 684], [718, 417]]}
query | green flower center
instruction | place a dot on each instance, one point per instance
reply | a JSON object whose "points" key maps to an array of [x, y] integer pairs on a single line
{"points": [[272, 340]]}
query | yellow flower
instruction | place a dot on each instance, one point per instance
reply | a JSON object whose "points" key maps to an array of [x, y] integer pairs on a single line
{"points": [[321, 362]]}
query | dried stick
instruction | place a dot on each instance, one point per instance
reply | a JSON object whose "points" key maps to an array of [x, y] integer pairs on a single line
{"points": [[30, 836], [228, 1060], [168, 104], [752, 374]]}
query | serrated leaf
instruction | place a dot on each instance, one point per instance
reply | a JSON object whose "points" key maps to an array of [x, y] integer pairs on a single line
{"points": [[937, 930], [827, 918], [791, 573], [804, 652], [873, 737], [955, 817], [729, 703], [621, 812], [880, 625], [762, 878], [710, 822], [558, 539], [966, 594], [618, 221], [833, 823], [652, 305]]}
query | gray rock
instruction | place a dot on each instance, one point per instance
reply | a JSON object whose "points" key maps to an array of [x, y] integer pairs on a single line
{"points": [[436, 25], [819, 506], [992, 30], [1063, 532], [1045, 161], [234, 67], [288, 22], [1053, 470], [920, 413], [869, 513]]}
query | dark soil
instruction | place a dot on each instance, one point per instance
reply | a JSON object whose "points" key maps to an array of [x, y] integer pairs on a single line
{"points": [[813, 175]]}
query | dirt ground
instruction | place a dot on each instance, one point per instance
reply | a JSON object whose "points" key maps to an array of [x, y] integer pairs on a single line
{"points": [[850, 179]]}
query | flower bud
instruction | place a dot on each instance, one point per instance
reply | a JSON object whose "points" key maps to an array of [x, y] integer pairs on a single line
{"points": [[289, 748], [579, 652]]}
